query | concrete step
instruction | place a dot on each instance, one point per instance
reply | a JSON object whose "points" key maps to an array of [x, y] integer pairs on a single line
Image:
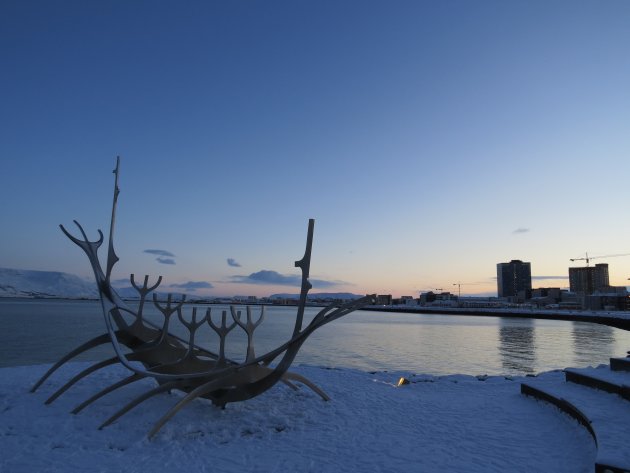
{"points": [[602, 378], [606, 416], [620, 364]]}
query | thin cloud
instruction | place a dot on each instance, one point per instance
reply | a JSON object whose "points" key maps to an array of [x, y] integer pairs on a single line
{"points": [[160, 253], [267, 277], [520, 230], [232, 262], [193, 285], [165, 260]]}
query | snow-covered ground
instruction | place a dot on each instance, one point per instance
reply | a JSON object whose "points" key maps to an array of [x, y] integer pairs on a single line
{"points": [[435, 424]]}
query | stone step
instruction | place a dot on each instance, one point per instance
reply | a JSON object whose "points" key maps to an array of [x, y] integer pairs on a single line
{"points": [[606, 416], [620, 364], [602, 378]]}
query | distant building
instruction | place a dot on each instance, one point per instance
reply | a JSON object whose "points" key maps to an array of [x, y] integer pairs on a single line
{"points": [[475, 302], [611, 298], [405, 300], [445, 296], [546, 296], [554, 293], [427, 297], [569, 300], [384, 299], [588, 279], [444, 299], [513, 277]]}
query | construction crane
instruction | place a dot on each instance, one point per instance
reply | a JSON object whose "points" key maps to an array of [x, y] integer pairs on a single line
{"points": [[459, 287], [588, 258]]}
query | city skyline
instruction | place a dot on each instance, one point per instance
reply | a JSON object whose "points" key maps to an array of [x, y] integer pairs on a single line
{"points": [[429, 141]]}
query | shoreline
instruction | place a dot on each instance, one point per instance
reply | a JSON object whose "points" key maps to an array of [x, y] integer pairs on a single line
{"points": [[617, 319], [613, 319]]}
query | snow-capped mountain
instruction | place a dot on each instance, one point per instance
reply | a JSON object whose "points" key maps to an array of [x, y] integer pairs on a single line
{"points": [[28, 283]]}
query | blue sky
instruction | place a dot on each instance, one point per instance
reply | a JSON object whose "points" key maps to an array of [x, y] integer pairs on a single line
{"points": [[429, 140]]}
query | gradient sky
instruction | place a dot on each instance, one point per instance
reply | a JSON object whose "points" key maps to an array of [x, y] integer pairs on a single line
{"points": [[430, 140]]}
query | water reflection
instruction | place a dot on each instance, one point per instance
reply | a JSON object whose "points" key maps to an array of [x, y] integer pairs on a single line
{"points": [[517, 345], [592, 342]]}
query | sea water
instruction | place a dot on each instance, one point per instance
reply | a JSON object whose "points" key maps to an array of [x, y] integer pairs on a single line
{"points": [[34, 331]]}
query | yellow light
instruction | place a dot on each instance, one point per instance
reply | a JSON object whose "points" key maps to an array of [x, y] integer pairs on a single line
{"points": [[402, 381]]}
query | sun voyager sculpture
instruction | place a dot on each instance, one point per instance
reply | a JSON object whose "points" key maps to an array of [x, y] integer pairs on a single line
{"points": [[149, 350]]}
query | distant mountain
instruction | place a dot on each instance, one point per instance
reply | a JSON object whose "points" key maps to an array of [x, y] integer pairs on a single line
{"points": [[319, 295], [129, 292], [27, 283]]}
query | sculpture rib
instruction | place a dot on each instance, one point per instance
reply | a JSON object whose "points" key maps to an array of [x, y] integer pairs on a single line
{"points": [[80, 376], [138, 400], [96, 341], [307, 382], [123, 382], [191, 396]]}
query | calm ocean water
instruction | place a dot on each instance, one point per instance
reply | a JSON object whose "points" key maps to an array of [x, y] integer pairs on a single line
{"points": [[41, 331]]}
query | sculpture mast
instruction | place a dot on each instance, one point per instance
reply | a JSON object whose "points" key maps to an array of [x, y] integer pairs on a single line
{"points": [[112, 259], [305, 265]]}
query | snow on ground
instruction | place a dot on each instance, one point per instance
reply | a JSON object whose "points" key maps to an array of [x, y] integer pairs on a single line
{"points": [[435, 424], [608, 413]]}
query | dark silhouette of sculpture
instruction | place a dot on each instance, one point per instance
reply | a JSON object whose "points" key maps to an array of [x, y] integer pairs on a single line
{"points": [[151, 351]]}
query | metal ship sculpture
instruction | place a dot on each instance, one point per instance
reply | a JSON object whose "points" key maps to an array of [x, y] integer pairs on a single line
{"points": [[150, 350]]}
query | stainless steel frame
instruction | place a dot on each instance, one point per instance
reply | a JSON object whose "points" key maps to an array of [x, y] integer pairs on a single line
{"points": [[151, 351]]}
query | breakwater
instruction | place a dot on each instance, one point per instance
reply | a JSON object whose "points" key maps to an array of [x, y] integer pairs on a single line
{"points": [[613, 319]]}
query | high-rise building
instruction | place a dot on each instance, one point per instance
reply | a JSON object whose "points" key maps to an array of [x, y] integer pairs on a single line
{"points": [[513, 277], [588, 279]]}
